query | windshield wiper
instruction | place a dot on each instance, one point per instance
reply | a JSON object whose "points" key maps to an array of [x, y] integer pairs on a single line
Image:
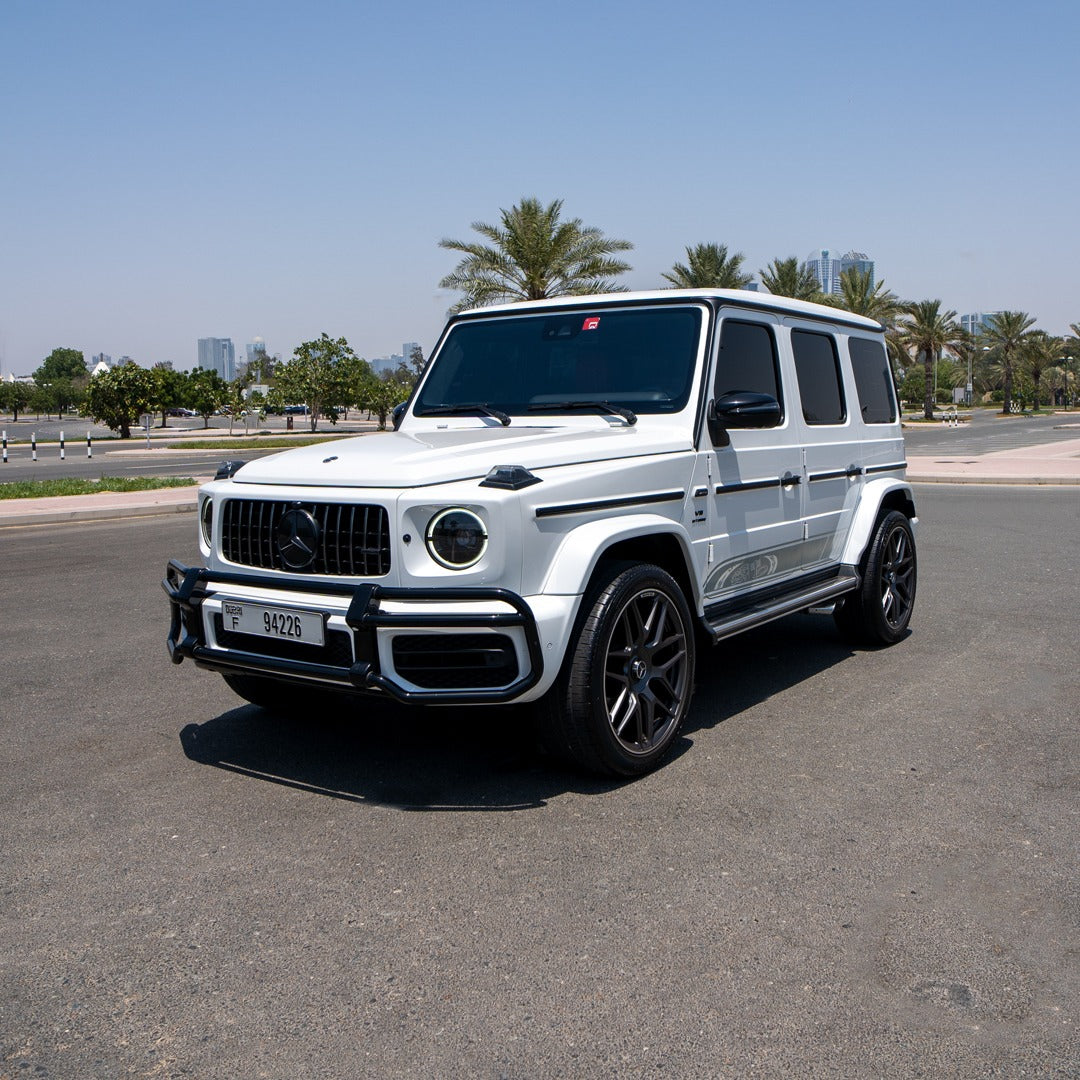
{"points": [[604, 406], [473, 407]]}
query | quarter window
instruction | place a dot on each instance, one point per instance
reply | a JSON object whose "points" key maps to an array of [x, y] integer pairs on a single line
{"points": [[818, 371], [873, 380], [747, 360]]}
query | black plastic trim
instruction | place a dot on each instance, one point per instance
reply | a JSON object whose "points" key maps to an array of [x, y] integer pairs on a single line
{"points": [[769, 593], [885, 468], [610, 504], [750, 485]]}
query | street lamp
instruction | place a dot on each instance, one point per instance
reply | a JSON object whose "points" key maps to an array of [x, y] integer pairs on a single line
{"points": [[970, 384], [1066, 360]]}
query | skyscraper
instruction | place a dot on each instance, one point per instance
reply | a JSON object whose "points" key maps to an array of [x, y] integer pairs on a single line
{"points": [[827, 267], [976, 322], [857, 260], [218, 354]]}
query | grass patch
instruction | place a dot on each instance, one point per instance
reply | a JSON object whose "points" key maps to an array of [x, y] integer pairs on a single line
{"points": [[264, 441], [36, 489]]}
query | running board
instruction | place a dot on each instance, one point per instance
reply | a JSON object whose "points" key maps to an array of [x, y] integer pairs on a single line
{"points": [[811, 596]]}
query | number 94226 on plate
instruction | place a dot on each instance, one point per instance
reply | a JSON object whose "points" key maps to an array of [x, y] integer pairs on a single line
{"points": [[273, 622]]}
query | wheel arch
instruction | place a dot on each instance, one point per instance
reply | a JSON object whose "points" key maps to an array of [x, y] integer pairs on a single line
{"points": [[878, 497], [640, 538]]}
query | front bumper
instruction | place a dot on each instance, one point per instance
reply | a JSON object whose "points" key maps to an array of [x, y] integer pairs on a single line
{"points": [[377, 637]]}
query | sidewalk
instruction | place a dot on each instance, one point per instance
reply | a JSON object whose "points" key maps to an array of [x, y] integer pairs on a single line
{"points": [[1047, 464]]}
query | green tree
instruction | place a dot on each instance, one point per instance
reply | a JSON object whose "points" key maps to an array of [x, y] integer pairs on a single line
{"points": [[317, 377], [925, 331], [170, 390], [789, 277], [61, 364], [382, 394], [207, 391], [860, 295], [709, 266], [119, 397], [61, 381], [355, 374], [15, 397], [1008, 334], [1039, 355], [533, 255]]}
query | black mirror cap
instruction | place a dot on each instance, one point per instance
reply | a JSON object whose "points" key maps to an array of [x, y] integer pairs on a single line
{"points": [[397, 414], [228, 469], [746, 409]]}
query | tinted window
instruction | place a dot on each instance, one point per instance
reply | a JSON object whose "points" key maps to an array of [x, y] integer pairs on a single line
{"points": [[642, 358], [873, 380], [747, 360], [818, 370]]}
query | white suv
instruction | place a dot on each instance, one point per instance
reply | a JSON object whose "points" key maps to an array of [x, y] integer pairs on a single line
{"points": [[573, 489]]}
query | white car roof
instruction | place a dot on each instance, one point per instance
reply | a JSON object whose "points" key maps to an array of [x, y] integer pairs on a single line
{"points": [[739, 297]]}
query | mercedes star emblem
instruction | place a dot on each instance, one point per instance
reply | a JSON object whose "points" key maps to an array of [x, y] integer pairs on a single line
{"points": [[297, 539]]}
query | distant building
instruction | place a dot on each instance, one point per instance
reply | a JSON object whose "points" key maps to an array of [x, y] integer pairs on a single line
{"points": [[258, 363], [827, 267], [976, 322], [755, 286], [99, 359], [218, 354], [857, 260]]}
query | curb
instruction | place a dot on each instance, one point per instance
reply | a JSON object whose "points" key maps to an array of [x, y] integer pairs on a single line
{"points": [[93, 513]]}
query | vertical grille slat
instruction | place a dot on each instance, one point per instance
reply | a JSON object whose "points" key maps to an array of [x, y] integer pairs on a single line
{"points": [[354, 540]]}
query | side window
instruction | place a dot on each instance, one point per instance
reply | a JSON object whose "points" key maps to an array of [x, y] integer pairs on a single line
{"points": [[873, 380], [818, 371], [747, 360]]}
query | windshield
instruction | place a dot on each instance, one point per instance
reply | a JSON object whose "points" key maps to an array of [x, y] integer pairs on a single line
{"points": [[639, 358]]}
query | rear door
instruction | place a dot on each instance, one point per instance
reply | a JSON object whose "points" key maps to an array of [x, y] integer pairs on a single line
{"points": [[830, 438]]}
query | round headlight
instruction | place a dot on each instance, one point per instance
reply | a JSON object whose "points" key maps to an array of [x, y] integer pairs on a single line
{"points": [[456, 538], [206, 520]]}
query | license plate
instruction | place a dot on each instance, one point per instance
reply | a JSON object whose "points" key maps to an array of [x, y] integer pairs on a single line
{"points": [[286, 624]]}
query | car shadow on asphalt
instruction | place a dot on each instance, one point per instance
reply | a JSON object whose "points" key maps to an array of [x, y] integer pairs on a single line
{"points": [[482, 759]]}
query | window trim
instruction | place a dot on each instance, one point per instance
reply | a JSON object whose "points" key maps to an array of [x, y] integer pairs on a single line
{"points": [[770, 328], [838, 370]]}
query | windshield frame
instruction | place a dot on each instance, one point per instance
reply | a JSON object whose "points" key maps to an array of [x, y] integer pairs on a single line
{"points": [[657, 404]]}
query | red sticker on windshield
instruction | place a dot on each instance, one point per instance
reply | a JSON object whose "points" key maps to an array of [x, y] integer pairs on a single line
{"points": [[591, 323]]}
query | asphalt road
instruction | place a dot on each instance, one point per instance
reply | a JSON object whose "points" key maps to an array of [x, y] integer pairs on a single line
{"points": [[858, 865], [987, 431]]}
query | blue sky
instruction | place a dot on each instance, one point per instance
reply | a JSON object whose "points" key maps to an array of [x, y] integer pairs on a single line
{"points": [[170, 172]]}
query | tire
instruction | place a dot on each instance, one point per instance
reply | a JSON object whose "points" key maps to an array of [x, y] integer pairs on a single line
{"points": [[626, 683], [879, 611]]}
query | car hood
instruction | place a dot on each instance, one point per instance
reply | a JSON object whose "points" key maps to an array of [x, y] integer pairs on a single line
{"points": [[401, 459]]}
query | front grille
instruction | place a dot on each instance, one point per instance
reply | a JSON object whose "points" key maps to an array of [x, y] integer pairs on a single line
{"points": [[455, 661], [354, 541], [337, 651]]}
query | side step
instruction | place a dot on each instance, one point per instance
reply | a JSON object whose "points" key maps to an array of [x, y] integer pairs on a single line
{"points": [[819, 594]]}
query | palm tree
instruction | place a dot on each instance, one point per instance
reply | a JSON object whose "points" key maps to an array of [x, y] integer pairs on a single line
{"points": [[1040, 353], [533, 255], [789, 277], [925, 330], [710, 267], [1007, 334], [859, 294]]}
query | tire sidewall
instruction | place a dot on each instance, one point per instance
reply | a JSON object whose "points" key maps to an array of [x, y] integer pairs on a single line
{"points": [[586, 690]]}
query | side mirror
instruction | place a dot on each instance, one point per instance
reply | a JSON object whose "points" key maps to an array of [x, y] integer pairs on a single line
{"points": [[741, 409], [397, 414]]}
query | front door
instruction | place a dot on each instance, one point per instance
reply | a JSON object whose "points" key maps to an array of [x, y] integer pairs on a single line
{"points": [[756, 488]]}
